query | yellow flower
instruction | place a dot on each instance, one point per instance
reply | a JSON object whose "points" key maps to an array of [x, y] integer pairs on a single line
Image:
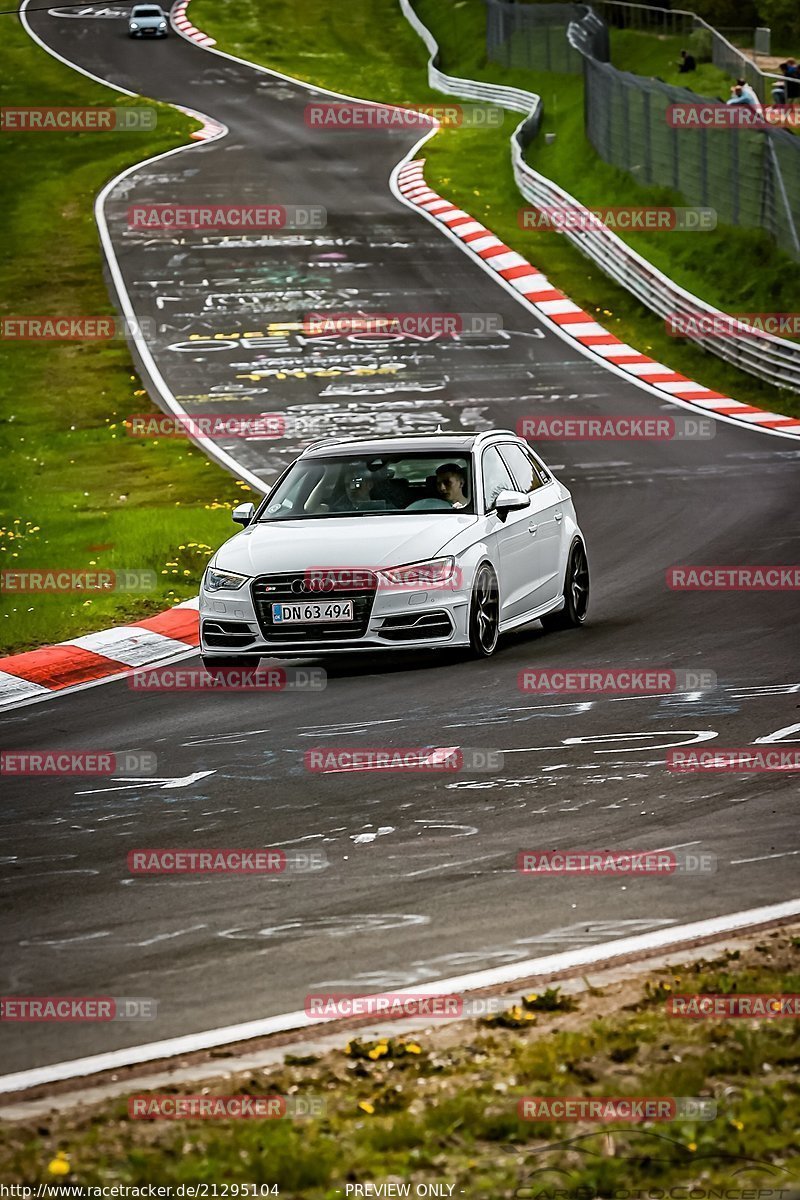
{"points": [[366, 1107], [737, 1124], [533, 996], [60, 1164], [692, 1146], [378, 1051], [413, 1048]]}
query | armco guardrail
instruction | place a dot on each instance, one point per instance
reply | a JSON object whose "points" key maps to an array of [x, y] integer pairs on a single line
{"points": [[469, 89], [772, 359]]}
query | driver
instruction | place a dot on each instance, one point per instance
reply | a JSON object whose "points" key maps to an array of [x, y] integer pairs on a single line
{"points": [[451, 482], [357, 489]]}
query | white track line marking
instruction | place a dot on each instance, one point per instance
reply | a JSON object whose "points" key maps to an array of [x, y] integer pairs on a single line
{"points": [[735, 862], [586, 956]]}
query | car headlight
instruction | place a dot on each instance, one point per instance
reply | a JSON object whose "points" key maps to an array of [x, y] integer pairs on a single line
{"points": [[215, 581], [133, 25], [435, 572], [162, 25]]}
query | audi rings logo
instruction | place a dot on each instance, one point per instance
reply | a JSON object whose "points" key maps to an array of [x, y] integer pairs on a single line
{"points": [[313, 583]]}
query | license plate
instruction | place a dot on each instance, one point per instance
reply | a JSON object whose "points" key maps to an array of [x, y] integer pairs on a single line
{"points": [[312, 612]]}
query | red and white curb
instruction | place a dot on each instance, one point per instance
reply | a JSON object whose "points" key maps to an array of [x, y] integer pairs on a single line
{"points": [[184, 26], [95, 657], [572, 321], [209, 130]]}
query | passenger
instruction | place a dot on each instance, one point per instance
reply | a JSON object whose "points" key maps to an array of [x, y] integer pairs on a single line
{"points": [[451, 480]]}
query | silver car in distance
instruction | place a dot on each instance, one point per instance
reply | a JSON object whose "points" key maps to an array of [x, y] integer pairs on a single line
{"points": [[147, 20]]}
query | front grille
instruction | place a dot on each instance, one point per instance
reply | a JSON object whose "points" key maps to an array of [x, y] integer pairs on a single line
{"points": [[409, 627], [277, 589]]}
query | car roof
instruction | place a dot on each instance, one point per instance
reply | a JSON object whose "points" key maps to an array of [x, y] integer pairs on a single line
{"points": [[438, 443]]}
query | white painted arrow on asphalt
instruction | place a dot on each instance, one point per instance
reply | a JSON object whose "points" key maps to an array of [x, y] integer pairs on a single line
{"points": [[128, 782]]}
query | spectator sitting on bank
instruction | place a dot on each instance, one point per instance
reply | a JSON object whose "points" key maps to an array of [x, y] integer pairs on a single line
{"points": [[749, 92], [739, 96], [687, 63]]}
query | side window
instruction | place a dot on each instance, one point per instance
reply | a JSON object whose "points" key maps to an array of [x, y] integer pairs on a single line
{"points": [[526, 476], [495, 477], [541, 470]]}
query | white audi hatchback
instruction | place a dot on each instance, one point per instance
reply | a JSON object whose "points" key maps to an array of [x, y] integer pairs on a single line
{"points": [[445, 540]]}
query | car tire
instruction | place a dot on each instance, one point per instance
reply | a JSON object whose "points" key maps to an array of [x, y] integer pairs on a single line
{"points": [[575, 593], [229, 662], [484, 613]]}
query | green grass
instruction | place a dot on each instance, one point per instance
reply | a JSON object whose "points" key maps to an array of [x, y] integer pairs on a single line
{"points": [[657, 56], [472, 166], [443, 1106], [74, 481]]}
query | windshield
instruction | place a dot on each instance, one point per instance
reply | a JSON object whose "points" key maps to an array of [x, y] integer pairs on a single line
{"points": [[378, 484], [147, 11]]}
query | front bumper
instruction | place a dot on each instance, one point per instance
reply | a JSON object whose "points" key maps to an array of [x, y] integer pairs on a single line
{"points": [[239, 622]]}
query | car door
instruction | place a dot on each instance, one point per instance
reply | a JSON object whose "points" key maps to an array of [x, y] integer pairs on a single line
{"points": [[513, 538], [544, 526]]}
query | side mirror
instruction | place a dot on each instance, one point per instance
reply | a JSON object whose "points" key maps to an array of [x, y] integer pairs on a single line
{"points": [[508, 501], [243, 513]]}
